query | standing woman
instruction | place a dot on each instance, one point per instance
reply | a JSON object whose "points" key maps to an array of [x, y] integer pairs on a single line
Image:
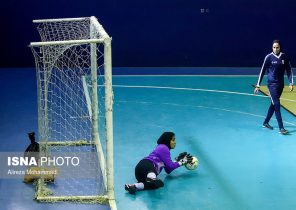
{"points": [[149, 168], [275, 63]]}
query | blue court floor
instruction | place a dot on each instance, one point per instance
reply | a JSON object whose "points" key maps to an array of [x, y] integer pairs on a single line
{"points": [[215, 118]]}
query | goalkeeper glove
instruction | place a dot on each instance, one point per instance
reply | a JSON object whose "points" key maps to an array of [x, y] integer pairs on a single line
{"points": [[184, 158], [180, 156]]}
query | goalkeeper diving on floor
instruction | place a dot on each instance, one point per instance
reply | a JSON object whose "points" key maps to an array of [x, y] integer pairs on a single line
{"points": [[147, 170]]}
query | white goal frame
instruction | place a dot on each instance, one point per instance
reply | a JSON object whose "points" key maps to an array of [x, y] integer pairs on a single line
{"points": [[106, 163]]}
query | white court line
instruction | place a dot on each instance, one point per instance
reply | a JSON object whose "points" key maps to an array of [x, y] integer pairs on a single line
{"points": [[87, 96], [186, 75], [204, 107], [197, 89]]}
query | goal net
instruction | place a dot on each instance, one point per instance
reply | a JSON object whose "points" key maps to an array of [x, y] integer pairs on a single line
{"points": [[75, 98]]}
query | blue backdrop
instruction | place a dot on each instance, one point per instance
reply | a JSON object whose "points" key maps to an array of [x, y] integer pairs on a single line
{"points": [[160, 33]]}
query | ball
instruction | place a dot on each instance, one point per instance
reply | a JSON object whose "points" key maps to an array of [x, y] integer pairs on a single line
{"points": [[193, 165]]}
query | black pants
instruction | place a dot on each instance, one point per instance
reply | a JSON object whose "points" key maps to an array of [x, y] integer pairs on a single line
{"points": [[141, 171]]}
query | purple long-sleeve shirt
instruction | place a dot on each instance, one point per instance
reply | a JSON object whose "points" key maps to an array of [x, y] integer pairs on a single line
{"points": [[161, 158]]}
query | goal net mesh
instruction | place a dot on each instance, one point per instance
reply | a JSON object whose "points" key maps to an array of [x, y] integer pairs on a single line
{"points": [[71, 110]]}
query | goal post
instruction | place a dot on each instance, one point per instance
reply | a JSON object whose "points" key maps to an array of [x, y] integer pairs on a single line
{"points": [[75, 108]]}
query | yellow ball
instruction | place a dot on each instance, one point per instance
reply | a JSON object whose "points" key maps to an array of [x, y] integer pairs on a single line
{"points": [[193, 165]]}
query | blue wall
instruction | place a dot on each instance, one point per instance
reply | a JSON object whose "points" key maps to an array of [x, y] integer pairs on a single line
{"points": [[162, 32]]}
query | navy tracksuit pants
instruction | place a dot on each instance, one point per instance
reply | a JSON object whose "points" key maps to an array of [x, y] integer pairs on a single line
{"points": [[275, 92]]}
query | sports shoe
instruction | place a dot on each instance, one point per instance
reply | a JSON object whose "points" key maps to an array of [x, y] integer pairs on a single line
{"points": [[156, 182], [266, 125], [131, 188], [283, 131]]}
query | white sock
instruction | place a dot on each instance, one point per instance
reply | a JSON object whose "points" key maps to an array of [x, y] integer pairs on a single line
{"points": [[139, 186], [151, 175]]}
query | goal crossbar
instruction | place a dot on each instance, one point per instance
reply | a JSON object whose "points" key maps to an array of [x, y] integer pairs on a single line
{"points": [[59, 20], [82, 41]]}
